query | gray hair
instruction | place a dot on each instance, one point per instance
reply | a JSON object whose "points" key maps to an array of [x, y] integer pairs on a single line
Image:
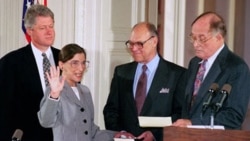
{"points": [[35, 11], [217, 23], [150, 27]]}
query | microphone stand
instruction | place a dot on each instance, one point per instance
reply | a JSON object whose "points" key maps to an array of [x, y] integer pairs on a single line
{"points": [[213, 108], [212, 116]]}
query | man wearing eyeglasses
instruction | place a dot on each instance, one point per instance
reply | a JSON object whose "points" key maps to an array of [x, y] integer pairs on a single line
{"points": [[161, 96], [221, 67]]}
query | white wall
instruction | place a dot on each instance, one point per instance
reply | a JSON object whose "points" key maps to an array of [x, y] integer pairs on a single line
{"points": [[102, 27], [10, 26]]}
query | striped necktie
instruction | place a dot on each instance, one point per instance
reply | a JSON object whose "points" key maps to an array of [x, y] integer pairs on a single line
{"points": [[46, 68]]}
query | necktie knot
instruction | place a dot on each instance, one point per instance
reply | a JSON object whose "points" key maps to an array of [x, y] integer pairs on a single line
{"points": [[203, 66], [44, 55], [144, 68]]}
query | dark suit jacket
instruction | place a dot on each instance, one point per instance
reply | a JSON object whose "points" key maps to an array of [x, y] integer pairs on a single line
{"points": [[226, 69], [21, 92], [120, 110]]}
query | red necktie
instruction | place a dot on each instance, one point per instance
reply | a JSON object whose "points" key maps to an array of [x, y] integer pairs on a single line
{"points": [[141, 90], [199, 79]]}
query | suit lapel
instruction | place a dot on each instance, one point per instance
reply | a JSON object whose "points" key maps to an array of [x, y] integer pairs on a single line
{"points": [[31, 69], [211, 77], [156, 85], [194, 65], [130, 81], [71, 95], [55, 55]]}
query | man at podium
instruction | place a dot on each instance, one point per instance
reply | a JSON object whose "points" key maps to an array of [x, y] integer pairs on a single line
{"points": [[218, 81]]}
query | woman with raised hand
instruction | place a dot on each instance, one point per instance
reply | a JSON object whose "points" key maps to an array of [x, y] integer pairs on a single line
{"points": [[67, 105]]}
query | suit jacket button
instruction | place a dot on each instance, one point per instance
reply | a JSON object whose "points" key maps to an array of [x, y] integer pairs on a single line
{"points": [[86, 132], [82, 109], [85, 121]]}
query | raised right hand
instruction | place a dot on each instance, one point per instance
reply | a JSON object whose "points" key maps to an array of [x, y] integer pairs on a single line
{"points": [[56, 82]]}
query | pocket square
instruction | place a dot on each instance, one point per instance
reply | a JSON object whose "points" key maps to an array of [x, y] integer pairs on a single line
{"points": [[164, 90]]}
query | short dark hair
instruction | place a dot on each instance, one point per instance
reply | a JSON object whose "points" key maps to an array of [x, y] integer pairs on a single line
{"points": [[216, 22], [69, 51]]}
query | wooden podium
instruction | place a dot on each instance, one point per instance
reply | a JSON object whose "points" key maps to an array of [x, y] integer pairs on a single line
{"points": [[187, 134]]}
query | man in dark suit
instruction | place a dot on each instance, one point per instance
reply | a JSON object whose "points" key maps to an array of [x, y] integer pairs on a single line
{"points": [[22, 81], [222, 67], [164, 95]]}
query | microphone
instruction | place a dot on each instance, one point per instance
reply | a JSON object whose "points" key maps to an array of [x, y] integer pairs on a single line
{"points": [[17, 136], [211, 92], [226, 89]]}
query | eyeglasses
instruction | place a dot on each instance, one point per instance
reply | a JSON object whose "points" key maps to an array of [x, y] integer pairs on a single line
{"points": [[200, 39], [75, 64], [139, 45]]}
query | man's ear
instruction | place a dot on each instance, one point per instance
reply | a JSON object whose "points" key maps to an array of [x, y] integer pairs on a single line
{"points": [[29, 31], [219, 37], [155, 40]]}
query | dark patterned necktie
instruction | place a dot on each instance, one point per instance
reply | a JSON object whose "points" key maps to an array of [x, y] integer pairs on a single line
{"points": [[199, 79], [46, 68], [141, 90]]}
